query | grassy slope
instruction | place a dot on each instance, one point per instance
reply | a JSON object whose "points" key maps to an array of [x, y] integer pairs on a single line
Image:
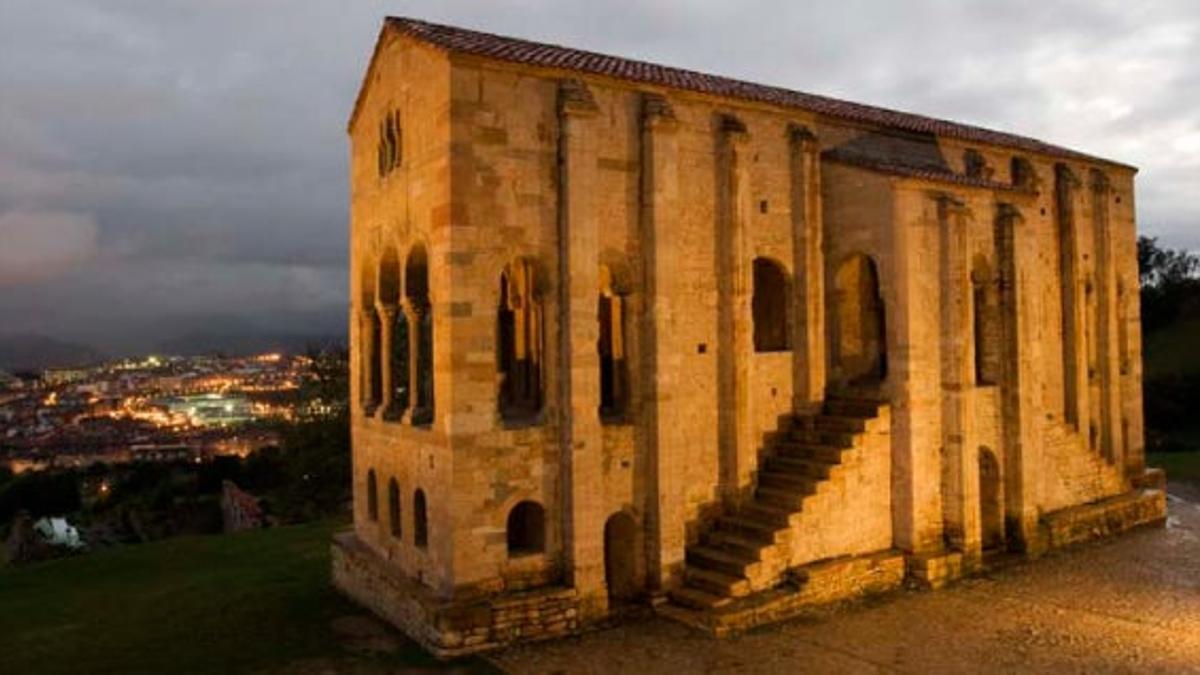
{"points": [[249, 601]]}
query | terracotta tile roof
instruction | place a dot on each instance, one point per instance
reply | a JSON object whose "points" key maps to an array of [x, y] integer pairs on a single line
{"points": [[910, 155], [920, 172], [530, 53]]}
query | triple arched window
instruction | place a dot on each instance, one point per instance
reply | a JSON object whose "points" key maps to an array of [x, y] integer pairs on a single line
{"points": [[397, 338]]}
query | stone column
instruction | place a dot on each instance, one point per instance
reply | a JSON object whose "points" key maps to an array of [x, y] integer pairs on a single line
{"points": [[1018, 385], [579, 362], [1074, 348], [387, 317], [1108, 359], [369, 402], [808, 343], [410, 321], [960, 484], [733, 311], [666, 449], [421, 397]]}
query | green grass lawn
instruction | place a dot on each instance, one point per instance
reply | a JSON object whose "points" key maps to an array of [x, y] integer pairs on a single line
{"points": [[1180, 466], [253, 601]]}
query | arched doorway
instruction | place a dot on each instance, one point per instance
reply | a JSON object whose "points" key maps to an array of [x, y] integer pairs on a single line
{"points": [[991, 506], [859, 330], [620, 561]]}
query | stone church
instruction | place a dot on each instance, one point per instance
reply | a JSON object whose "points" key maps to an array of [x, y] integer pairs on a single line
{"points": [[624, 334]]}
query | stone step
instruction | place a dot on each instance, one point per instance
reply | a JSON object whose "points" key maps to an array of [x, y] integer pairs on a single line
{"points": [[772, 514], [751, 528], [814, 468], [791, 499], [820, 436], [717, 583], [749, 547], [788, 481], [841, 423], [820, 452], [707, 557], [852, 408], [696, 598]]}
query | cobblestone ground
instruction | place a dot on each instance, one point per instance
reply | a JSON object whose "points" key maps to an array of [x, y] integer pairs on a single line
{"points": [[1130, 604]]}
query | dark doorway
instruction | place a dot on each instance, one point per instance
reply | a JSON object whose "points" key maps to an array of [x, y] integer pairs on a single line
{"points": [[620, 560]]}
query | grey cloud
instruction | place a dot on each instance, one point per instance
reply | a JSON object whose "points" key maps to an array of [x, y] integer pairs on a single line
{"points": [[206, 139]]}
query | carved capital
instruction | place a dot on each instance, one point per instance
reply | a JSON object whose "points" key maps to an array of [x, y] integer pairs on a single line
{"points": [[1008, 213], [1065, 176], [732, 128], [801, 137], [574, 98], [1099, 181], [387, 311], [657, 112]]}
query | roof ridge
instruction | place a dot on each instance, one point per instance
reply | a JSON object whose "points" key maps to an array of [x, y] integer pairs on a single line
{"points": [[550, 55]]}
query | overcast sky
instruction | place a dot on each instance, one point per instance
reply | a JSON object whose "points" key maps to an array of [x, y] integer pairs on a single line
{"points": [[166, 164]]}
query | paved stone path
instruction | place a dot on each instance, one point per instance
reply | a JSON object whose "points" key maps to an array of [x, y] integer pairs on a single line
{"points": [[1131, 604]]}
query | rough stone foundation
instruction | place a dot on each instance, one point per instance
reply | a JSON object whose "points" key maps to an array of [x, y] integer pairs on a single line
{"points": [[449, 629], [1105, 518], [811, 585]]}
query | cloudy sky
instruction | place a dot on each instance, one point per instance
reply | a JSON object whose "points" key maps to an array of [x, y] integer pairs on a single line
{"points": [[167, 165]]}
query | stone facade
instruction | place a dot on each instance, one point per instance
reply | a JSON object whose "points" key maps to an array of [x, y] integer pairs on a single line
{"points": [[625, 333]]}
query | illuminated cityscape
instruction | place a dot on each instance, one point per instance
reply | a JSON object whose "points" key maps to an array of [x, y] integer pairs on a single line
{"points": [[155, 408]]}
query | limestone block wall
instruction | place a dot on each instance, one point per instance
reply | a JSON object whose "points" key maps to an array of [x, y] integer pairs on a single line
{"points": [[395, 212], [676, 194], [851, 513]]}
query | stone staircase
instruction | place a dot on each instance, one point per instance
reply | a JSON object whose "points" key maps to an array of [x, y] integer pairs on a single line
{"points": [[748, 549]]}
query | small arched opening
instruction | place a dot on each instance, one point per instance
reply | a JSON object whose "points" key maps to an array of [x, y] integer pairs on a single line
{"points": [[620, 557], [770, 306], [372, 497], [420, 520], [526, 529], [394, 508]]}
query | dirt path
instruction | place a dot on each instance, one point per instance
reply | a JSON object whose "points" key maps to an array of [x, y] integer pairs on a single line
{"points": [[1132, 604]]}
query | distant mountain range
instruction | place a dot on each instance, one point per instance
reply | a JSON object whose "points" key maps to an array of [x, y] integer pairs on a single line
{"points": [[30, 351]]}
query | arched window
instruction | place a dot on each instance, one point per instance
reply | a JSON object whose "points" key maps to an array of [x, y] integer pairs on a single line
{"points": [[858, 344], [974, 165], [526, 529], [420, 520], [770, 306], [1021, 173], [987, 326], [519, 343], [614, 389], [394, 507], [372, 497], [416, 290]]}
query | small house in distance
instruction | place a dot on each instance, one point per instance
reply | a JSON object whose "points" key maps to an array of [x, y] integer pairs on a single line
{"points": [[624, 333]]}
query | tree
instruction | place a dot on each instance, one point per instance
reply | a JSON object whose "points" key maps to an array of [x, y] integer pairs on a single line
{"points": [[1170, 281]]}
